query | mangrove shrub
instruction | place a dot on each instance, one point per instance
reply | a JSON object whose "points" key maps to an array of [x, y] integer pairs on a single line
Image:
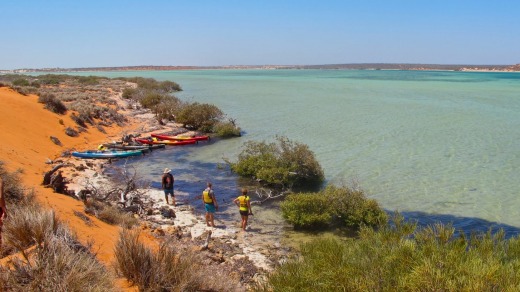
{"points": [[333, 206], [284, 163]]}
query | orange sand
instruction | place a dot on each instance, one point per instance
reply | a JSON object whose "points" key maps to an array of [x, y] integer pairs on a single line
{"points": [[25, 130]]}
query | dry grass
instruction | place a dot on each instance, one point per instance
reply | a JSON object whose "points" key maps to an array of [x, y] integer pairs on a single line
{"points": [[167, 269], [57, 261]]}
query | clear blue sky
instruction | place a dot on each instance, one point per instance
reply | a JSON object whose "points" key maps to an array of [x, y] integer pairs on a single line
{"points": [[77, 33]]}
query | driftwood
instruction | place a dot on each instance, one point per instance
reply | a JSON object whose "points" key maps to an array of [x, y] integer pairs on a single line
{"points": [[206, 243], [47, 176]]}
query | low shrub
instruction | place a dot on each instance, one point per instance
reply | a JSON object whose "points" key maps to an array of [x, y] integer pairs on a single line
{"points": [[71, 132], [114, 216], [333, 206], [59, 263], [402, 257], [227, 129], [21, 82], [198, 116], [52, 103], [285, 163], [167, 269], [307, 210]]}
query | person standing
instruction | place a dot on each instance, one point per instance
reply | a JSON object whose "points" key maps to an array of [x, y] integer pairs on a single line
{"points": [[3, 210], [244, 206], [210, 203], [167, 185]]}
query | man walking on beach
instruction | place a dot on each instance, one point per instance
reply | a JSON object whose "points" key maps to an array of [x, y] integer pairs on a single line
{"points": [[244, 205], [3, 210], [167, 185], [210, 203]]}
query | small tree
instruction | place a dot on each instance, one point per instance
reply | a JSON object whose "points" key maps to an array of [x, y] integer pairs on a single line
{"points": [[284, 163], [333, 206], [199, 116]]}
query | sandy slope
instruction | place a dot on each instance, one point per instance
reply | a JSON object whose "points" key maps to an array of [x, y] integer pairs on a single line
{"points": [[25, 130]]}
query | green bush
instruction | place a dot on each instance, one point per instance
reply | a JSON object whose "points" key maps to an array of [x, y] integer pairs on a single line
{"points": [[153, 85], [21, 82], [227, 129], [284, 163], [402, 257], [199, 116], [333, 206], [306, 210], [52, 103], [89, 80], [151, 100]]}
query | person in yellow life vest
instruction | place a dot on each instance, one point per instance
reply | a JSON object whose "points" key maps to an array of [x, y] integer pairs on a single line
{"points": [[211, 205], [244, 206], [101, 147]]}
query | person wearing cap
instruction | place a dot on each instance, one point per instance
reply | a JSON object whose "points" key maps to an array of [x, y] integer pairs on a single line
{"points": [[167, 185], [3, 210]]}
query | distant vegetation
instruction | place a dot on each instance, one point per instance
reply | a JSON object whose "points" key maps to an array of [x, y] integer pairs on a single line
{"points": [[89, 99], [283, 164], [402, 257], [157, 97]]}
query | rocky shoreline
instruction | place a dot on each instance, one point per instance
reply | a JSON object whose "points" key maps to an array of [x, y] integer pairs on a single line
{"points": [[223, 245]]}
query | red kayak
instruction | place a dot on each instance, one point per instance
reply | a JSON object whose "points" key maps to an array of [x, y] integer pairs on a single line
{"points": [[166, 142], [180, 137]]}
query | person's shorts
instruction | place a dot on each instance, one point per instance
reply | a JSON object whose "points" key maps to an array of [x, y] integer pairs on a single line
{"points": [[210, 208], [244, 213], [169, 192]]}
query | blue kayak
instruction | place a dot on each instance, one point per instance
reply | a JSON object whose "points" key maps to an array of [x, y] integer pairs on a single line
{"points": [[106, 154]]}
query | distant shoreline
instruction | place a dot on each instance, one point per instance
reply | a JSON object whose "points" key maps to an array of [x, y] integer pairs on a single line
{"points": [[363, 66]]}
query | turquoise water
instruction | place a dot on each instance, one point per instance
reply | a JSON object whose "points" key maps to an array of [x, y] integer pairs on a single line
{"points": [[433, 145]]}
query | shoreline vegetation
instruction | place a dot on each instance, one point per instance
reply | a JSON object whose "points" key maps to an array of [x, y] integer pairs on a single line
{"points": [[169, 248], [357, 66]]}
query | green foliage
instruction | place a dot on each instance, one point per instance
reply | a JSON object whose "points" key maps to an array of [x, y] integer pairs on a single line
{"points": [[89, 80], [284, 163], [227, 129], [21, 82], [152, 84], [198, 116], [152, 99], [53, 79], [402, 257], [52, 103], [306, 210], [333, 206]]}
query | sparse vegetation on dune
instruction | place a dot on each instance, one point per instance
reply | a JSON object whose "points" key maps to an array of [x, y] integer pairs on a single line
{"points": [[168, 269], [88, 97], [45, 254]]}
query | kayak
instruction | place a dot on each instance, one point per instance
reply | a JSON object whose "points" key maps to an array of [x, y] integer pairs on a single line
{"points": [[180, 137], [106, 154], [166, 142], [133, 147]]}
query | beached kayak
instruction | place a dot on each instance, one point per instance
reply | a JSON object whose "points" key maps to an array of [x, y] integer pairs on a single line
{"points": [[180, 137], [166, 142], [106, 154], [133, 147]]}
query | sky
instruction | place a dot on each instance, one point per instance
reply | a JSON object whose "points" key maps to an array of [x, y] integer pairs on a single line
{"points": [[80, 33]]}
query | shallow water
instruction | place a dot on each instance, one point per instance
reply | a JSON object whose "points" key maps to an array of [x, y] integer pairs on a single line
{"points": [[432, 145]]}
